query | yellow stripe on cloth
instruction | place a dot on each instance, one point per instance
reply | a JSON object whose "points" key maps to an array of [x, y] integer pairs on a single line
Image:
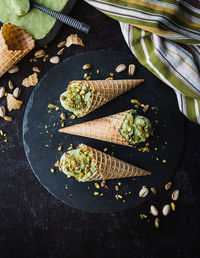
{"points": [[153, 29]]}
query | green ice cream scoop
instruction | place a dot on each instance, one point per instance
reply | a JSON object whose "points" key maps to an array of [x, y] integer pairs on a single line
{"points": [[20, 7], [135, 129], [78, 163], [76, 98]]}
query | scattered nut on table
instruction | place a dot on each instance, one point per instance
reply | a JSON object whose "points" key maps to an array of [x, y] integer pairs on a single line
{"points": [[54, 60], [87, 66], [17, 92], [40, 53], [131, 69], [175, 195], [166, 209], [13, 69], [10, 85], [120, 68], [153, 210], [2, 91], [2, 111], [143, 192]]}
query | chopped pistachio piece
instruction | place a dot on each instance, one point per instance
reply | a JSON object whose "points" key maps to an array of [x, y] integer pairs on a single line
{"points": [[97, 185], [60, 148]]}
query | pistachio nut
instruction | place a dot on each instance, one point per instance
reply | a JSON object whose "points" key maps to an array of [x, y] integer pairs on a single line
{"points": [[175, 195], [153, 210], [13, 69], [17, 92], [40, 53], [2, 111], [54, 60], [2, 91], [131, 69], [166, 209], [120, 68], [143, 192]]}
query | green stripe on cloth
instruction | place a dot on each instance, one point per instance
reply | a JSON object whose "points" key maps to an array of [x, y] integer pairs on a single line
{"points": [[191, 113]]}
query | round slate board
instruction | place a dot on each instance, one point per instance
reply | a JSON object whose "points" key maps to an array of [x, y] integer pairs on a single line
{"points": [[41, 137]]}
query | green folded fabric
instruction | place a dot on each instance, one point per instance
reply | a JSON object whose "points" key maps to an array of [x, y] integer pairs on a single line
{"points": [[164, 36]]}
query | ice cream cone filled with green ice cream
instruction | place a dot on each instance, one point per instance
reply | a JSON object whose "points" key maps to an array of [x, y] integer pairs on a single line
{"points": [[125, 128], [83, 97], [87, 164]]}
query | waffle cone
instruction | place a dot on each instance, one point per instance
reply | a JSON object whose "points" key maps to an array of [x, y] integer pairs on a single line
{"points": [[15, 43], [106, 90], [104, 129], [111, 168]]}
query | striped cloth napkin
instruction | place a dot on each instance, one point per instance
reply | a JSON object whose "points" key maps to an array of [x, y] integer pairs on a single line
{"points": [[164, 35]]}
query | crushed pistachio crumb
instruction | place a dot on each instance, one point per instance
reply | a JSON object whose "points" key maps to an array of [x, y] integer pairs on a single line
{"points": [[173, 206], [70, 147], [52, 170], [96, 185], [105, 149], [52, 106], [117, 188], [96, 193], [135, 101], [164, 161], [63, 116], [60, 148], [72, 116], [143, 216]]}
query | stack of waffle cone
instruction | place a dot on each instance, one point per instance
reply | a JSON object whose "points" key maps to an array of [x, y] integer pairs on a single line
{"points": [[104, 129], [109, 167], [15, 43], [106, 90]]}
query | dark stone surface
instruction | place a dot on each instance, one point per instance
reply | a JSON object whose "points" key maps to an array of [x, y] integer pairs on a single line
{"points": [[34, 224]]}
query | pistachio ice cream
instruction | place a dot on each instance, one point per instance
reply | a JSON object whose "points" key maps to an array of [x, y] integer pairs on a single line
{"points": [[76, 98], [135, 129], [20, 7], [78, 163]]}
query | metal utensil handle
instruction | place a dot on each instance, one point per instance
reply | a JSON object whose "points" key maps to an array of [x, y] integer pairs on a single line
{"points": [[64, 18]]}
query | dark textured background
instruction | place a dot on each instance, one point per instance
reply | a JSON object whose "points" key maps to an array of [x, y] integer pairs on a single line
{"points": [[34, 224]]}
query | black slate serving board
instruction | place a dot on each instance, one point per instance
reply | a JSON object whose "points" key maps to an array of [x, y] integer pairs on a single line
{"points": [[168, 137], [55, 29]]}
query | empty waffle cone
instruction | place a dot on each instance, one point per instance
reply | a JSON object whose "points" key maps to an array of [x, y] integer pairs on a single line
{"points": [[106, 90], [15, 43], [111, 168], [104, 129]]}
